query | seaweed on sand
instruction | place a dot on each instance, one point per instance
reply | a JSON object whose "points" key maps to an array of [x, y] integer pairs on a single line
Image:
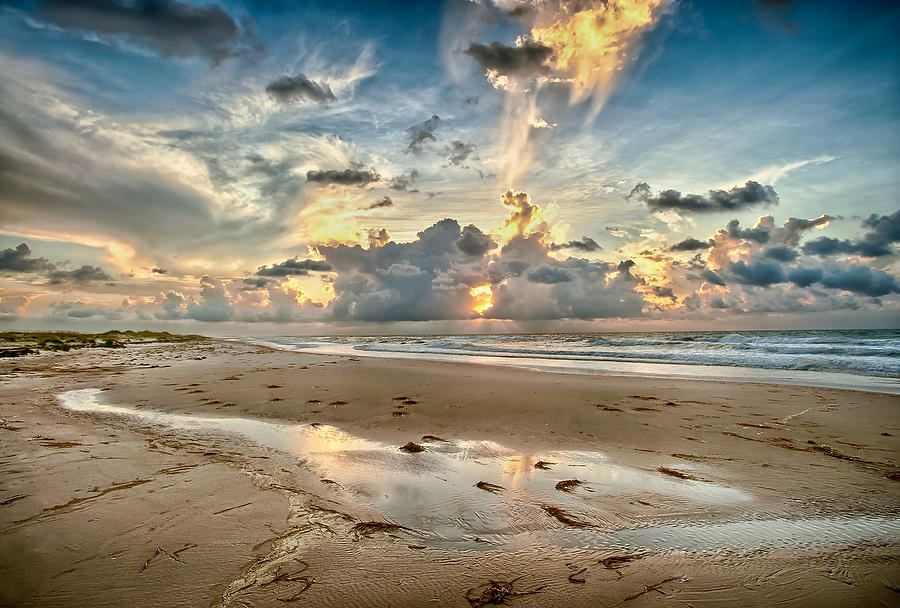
{"points": [[564, 517], [614, 562], [568, 485], [368, 528], [543, 465], [675, 473], [411, 448], [495, 592], [488, 486]]}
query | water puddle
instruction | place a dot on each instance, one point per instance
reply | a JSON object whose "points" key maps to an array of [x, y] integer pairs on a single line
{"points": [[434, 491]]}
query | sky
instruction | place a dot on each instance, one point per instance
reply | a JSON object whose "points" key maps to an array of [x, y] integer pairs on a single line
{"points": [[467, 166]]}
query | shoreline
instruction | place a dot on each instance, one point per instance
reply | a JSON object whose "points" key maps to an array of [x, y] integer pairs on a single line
{"points": [[679, 370], [760, 453]]}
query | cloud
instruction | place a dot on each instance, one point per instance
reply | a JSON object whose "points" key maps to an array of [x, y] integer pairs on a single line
{"points": [[759, 272], [884, 228], [523, 61], [355, 176], [253, 283], [169, 27], [861, 279], [586, 244], [13, 307], [20, 260], [458, 151], [712, 277], [690, 244], [781, 253], [418, 134], [884, 231], [761, 233], [293, 267], [737, 199], [84, 274], [438, 275], [804, 277], [381, 203], [159, 271], [826, 246], [474, 242], [549, 276], [794, 227], [404, 183], [290, 89], [214, 305]]}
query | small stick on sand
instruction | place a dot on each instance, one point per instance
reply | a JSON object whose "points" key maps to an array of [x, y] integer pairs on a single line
{"points": [[649, 588], [573, 577]]}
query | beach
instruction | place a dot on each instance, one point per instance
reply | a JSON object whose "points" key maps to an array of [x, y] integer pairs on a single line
{"points": [[228, 473]]}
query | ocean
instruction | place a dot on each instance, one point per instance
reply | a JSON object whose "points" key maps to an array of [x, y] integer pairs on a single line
{"points": [[857, 359]]}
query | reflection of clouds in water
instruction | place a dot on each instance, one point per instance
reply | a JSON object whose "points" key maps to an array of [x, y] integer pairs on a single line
{"points": [[433, 490]]}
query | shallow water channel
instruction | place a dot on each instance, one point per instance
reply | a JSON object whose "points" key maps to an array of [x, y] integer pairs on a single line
{"points": [[433, 492]]}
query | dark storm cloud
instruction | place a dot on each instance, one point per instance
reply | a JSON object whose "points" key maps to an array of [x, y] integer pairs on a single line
{"points": [[760, 234], [289, 89], [344, 177], [737, 199], [884, 230], [586, 244], [548, 276], [690, 244], [431, 278], [381, 203], [861, 280], [825, 246], [664, 292], [20, 260], [458, 151], [85, 274], [804, 277], [759, 272], [254, 283], [524, 61], [712, 277], [474, 242], [293, 267], [170, 27], [420, 133], [405, 183], [781, 253]]}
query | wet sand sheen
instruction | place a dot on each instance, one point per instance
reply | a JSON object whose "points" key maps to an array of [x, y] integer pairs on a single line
{"points": [[557, 478]]}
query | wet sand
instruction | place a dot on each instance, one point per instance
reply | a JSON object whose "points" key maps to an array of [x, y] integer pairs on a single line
{"points": [[223, 474]]}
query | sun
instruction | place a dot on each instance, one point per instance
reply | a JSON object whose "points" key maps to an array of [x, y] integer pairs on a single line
{"points": [[483, 296]]}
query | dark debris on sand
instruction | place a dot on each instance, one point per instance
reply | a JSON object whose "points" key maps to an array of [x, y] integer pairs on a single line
{"points": [[495, 592], [489, 487], [568, 485], [412, 448]]}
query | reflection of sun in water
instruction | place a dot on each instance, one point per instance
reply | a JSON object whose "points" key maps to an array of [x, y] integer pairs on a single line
{"points": [[483, 298]]}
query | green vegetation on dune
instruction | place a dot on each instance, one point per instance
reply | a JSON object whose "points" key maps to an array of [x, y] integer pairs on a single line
{"points": [[15, 344]]}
